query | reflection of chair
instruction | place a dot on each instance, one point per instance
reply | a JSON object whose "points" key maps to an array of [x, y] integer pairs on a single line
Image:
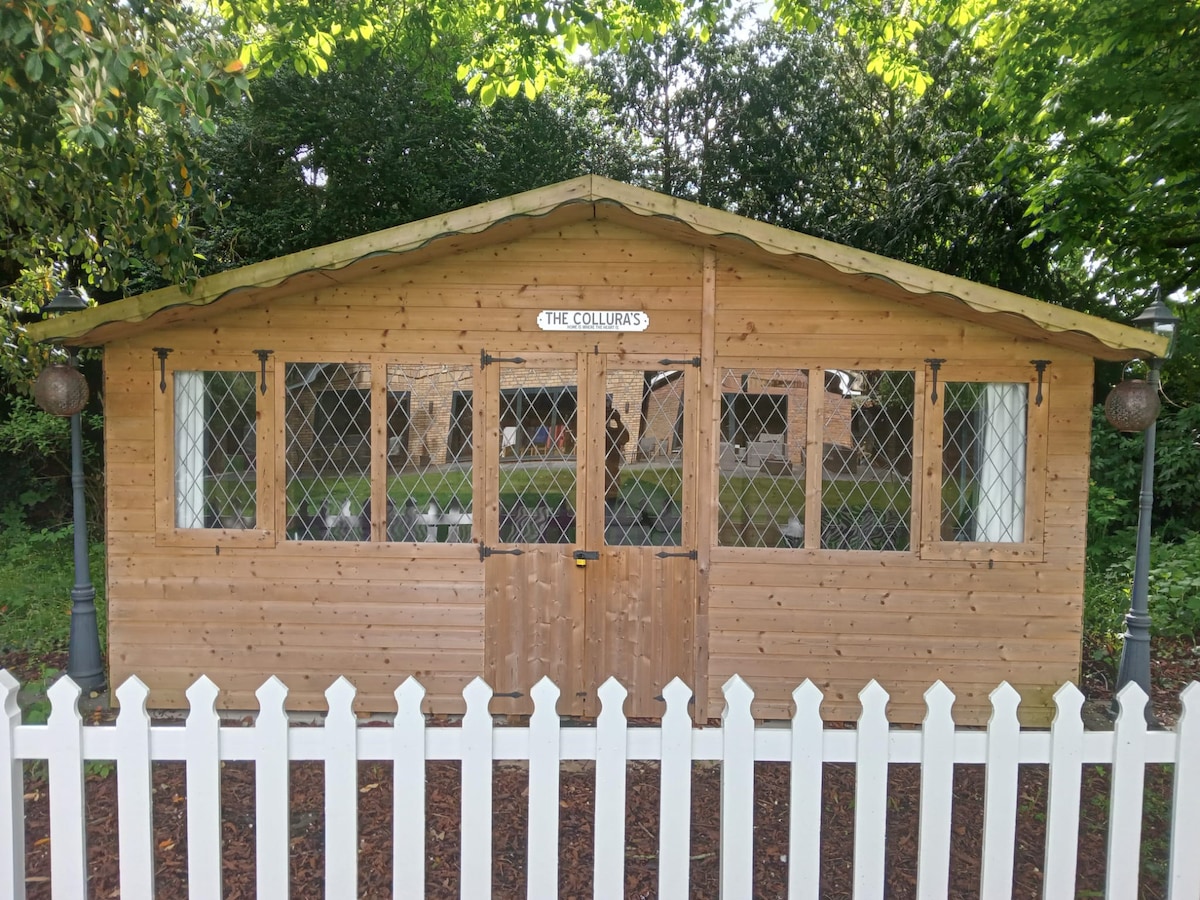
{"points": [[766, 447], [508, 440]]}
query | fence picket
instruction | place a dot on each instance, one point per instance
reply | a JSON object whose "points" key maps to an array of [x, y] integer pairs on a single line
{"points": [[737, 790], [544, 756], [68, 839], [202, 755], [1062, 801], [870, 793], [1183, 877], [608, 879], [937, 794], [476, 842], [1000, 795], [135, 811], [12, 794], [272, 830], [408, 793], [675, 797], [807, 760], [341, 791], [1125, 806]]}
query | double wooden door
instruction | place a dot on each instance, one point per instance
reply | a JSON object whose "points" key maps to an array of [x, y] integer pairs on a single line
{"points": [[589, 547]]}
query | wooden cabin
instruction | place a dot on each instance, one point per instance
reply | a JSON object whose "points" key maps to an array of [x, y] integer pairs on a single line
{"points": [[400, 455]]}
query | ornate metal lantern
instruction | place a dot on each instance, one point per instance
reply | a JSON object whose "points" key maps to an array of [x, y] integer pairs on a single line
{"points": [[61, 390], [1132, 405]]}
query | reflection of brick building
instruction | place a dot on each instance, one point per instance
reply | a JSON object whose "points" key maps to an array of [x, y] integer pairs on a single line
{"points": [[757, 404]]}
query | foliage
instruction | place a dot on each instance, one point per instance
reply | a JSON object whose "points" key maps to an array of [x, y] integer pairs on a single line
{"points": [[99, 108], [1117, 470], [502, 48], [35, 466], [315, 160], [36, 576], [1174, 589], [796, 130]]}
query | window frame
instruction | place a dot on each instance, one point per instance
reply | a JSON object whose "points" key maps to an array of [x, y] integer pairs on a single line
{"points": [[167, 533], [932, 546]]}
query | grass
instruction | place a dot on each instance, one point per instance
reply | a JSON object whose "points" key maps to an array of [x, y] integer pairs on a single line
{"points": [[36, 577]]}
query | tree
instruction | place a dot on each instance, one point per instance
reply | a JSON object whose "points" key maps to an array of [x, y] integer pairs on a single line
{"points": [[356, 149]]}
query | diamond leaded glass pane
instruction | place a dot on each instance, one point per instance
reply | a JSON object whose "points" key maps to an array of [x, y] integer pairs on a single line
{"points": [[643, 464], [764, 428], [866, 460], [538, 415], [327, 411], [429, 453], [215, 450], [983, 462]]}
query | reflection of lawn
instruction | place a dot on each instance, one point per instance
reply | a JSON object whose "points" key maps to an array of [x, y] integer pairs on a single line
{"points": [[764, 498]]}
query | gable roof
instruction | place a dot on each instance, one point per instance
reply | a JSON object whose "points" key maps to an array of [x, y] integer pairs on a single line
{"points": [[592, 196]]}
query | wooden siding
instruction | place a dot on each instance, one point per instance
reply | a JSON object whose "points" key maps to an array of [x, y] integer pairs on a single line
{"points": [[377, 612]]}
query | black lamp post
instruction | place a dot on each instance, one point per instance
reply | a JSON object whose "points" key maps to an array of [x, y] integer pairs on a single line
{"points": [[62, 391], [1135, 648]]}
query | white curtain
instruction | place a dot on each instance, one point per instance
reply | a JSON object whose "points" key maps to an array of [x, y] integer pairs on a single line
{"points": [[1000, 510], [190, 418]]}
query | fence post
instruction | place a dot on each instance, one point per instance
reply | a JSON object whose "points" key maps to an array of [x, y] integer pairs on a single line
{"points": [[544, 764], [68, 832], [675, 794], [1062, 800], [12, 793], [202, 756], [1183, 877], [737, 790], [937, 793], [1128, 783], [341, 790], [807, 770], [608, 878], [408, 793], [870, 793], [1000, 795], [475, 865], [135, 809], [272, 828]]}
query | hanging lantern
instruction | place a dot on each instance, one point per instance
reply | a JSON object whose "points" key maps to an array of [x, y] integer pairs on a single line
{"points": [[61, 390], [1132, 405]]}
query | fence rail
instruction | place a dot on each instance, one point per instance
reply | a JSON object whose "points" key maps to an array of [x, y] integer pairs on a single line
{"points": [[66, 744]]}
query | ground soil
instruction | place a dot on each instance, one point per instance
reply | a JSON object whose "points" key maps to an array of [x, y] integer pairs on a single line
{"points": [[1175, 664]]}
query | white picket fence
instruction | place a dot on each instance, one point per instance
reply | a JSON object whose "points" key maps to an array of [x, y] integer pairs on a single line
{"points": [[65, 743]]}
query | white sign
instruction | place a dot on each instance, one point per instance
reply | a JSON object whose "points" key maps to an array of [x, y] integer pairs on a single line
{"points": [[593, 320]]}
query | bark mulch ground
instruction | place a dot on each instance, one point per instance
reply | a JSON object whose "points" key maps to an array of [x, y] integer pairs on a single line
{"points": [[1175, 665]]}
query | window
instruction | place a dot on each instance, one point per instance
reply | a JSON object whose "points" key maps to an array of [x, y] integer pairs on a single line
{"points": [[985, 441], [327, 416], [866, 460], [216, 450]]}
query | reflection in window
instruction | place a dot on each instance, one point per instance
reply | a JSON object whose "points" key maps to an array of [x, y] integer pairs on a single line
{"points": [[215, 450], [764, 428], [538, 415], [429, 491], [983, 462], [327, 415], [866, 460], [643, 460]]}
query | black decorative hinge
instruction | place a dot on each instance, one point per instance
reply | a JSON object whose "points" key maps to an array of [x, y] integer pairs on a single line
{"points": [[162, 353], [486, 359], [262, 367], [690, 554], [1040, 365], [935, 363], [485, 551], [694, 361]]}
